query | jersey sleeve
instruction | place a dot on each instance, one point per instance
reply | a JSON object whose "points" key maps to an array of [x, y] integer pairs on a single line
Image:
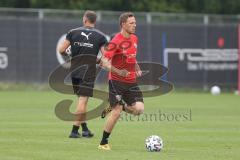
{"points": [[135, 38], [69, 36], [111, 48], [103, 41]]}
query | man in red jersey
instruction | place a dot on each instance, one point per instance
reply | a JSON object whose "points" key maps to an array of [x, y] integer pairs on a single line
{"points": [[124, 93]]}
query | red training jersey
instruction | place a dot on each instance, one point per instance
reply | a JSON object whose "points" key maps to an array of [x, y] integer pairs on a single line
{"points": [[122, 53]]}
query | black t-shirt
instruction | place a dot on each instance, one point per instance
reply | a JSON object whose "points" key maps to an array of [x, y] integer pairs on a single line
{"points": [[85, 44]]}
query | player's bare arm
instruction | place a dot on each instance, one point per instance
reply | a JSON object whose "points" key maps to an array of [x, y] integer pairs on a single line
{"points": [[63, 46], [138, 70]]}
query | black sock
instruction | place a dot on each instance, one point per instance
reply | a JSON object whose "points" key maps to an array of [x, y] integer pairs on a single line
{"points": [[75, 129], [84, 126], [105, 138], [123, 108]]}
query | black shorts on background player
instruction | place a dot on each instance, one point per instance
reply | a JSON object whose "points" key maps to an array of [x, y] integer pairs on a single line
{"points": [[83, 73], [129, 92], [82, 87]]}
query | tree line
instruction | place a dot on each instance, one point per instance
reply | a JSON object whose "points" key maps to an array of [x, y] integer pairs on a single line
{"points": [[173, 6]]}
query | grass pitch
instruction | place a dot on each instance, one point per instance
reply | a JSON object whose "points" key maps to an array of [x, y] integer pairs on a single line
{"points": [[192, 126]]}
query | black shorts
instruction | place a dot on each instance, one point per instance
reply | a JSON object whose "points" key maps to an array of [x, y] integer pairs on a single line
{"points": [[82, 88], [128, 92]]}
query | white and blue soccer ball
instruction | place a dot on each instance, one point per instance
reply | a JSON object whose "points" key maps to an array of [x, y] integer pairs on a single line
{"points": [[215, 90], [154, 143]]}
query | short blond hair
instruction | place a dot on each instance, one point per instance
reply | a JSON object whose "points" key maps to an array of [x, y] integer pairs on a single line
{"points": [[124, 16]]}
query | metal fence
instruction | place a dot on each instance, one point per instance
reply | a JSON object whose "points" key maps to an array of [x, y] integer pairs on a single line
{"points": [[143, 17], [200, 50]]}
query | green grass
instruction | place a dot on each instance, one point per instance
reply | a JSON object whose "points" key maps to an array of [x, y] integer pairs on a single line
{"points": [[29, 129]]}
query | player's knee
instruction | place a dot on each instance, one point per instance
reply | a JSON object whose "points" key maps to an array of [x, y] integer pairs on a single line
{"points": [[140, 108], [139, 111]]}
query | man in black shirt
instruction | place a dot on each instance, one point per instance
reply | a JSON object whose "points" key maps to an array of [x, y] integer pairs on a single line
{"points": [[85, 43]]}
